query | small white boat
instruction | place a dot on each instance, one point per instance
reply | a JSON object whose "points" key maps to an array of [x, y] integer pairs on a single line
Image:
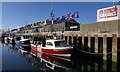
{"points": [[23, 41], [53, 47]]}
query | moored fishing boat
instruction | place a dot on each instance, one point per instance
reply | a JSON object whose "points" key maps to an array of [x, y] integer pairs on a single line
{"points": [[57, 47], [23, 42], [53, 47]]}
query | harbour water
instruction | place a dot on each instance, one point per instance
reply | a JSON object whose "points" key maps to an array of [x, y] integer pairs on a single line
{"points": [[13, 60]]}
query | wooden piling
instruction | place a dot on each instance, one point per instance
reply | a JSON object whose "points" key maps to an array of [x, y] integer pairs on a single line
{"points": [[114, 48], [82, 47], [92, 46], [114, 51], [105, 47], [118, 54], [89, 42], [77, 38], [96, 43]]}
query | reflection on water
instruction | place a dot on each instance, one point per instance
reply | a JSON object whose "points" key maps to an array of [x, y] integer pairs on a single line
{"points": [[14, 60]]}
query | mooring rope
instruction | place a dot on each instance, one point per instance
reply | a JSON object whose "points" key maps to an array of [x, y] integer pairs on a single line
{"points": [[95, 53]]}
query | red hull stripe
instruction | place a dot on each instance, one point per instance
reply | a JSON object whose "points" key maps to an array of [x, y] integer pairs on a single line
{"points": [[57, 51], [33, 48], [34, 52]]}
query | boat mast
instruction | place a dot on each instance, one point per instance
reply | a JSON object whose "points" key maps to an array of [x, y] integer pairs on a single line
{"points": [[52, 16]]}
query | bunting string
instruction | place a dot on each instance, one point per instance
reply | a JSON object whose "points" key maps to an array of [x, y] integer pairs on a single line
{"points": [[55, 20]]}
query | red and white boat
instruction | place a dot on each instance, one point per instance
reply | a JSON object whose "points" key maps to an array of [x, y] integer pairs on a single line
{"points": [[53, 47], [57, 47]]}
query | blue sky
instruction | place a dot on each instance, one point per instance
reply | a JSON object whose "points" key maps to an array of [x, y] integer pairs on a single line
{"points": [[18, 14]]}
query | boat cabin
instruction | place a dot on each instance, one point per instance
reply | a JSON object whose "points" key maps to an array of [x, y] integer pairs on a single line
{"points": [[50, 43], [56, 43]]}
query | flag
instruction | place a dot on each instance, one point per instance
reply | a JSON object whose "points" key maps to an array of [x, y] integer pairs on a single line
{"points": [[69, 15], [30, 25], [49, 21], [44, 22], [63, 18], [37, 24], [55, 19], [75, 15], [40, 22], [33, 24]]}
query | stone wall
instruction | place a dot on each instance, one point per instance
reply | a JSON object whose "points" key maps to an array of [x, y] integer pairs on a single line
{"points": [[108, 27]]}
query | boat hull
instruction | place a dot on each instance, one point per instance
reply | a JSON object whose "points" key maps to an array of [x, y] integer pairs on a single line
{"points": [[33, 47], [58, 52]]}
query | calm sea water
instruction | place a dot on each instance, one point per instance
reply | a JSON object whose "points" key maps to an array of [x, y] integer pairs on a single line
{"points": [[14, 60]]}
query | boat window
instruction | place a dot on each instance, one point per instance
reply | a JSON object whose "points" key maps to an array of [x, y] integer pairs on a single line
{"points": [[49, 44], [18, 38], [35, 42], [60, 44], [25, 37], [38, 43]]}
